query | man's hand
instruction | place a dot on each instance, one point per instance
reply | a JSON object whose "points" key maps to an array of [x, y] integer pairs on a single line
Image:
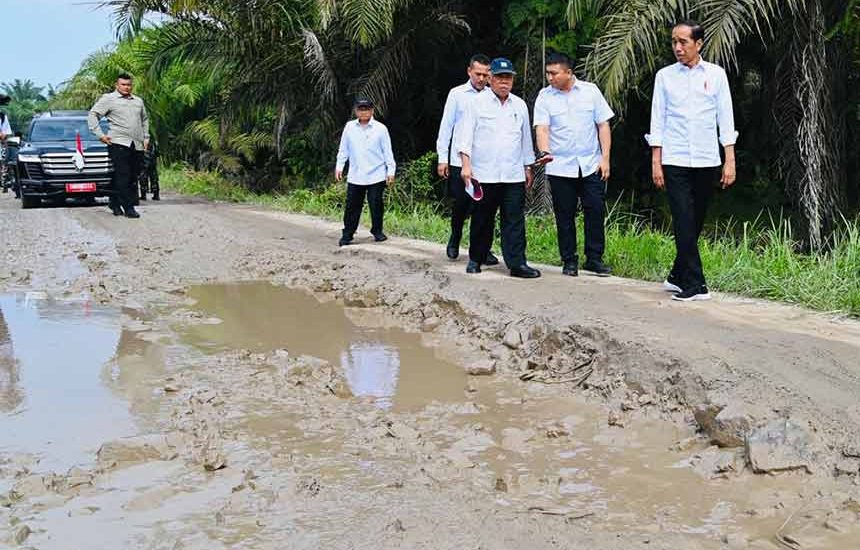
{"points": [[729, 174], [2, 136], [466, 174], [338, 175], [530, 177], [657, 176], [442, 170], [105, 139], [603, 169], [146, 145], [389, 181]]}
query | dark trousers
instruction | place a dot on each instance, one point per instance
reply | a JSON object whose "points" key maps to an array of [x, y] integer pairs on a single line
{"points": [[689, 191], [566, 194], [355, 202], [148, 179], [511, 199], [462, 205], [126, 164]]}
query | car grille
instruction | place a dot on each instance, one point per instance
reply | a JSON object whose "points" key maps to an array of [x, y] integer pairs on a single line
{"points": [[62, 164], [32, 170]]}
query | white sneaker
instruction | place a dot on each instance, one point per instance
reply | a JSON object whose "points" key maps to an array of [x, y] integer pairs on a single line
{"points": [[671, 287]]}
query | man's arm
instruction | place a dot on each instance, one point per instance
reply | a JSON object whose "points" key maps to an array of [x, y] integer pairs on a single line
{"points": [[464, 141], [655, 138], [446, 133], [99, 110], [604, 135], [728, 135], [528, 148], [388, 155], [145, 122], [342, 154]]}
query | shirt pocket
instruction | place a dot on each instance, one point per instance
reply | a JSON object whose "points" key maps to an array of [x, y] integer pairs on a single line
{"points": [[583, 116], [487, 122], [559, 119]]}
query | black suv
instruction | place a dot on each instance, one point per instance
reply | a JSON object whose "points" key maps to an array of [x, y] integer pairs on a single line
{"points": [[46, 161]]}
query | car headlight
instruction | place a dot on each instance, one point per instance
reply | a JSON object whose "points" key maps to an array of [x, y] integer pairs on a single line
{"points": [[29, 158]]}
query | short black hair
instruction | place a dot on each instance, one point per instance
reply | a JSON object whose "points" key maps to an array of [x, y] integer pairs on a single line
{"points": [[480, 59], [696, 30], [558, 58], [123, 76]]}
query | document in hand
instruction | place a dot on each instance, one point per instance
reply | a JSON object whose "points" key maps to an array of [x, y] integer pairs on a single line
{"points": [[474, 189]]}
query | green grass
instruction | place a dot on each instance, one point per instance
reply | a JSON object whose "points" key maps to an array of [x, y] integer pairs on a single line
{"points": [[757, 259]]}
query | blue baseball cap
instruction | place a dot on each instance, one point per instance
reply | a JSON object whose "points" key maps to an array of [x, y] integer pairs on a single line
{"points": [[502, 65]]}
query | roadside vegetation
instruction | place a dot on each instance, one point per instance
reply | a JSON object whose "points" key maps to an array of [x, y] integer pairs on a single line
{"points": [[760, 258]]}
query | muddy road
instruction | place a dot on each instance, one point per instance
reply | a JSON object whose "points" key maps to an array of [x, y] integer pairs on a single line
{"points": [[221, 376]]}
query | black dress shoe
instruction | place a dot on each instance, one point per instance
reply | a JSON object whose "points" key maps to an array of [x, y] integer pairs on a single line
{"points": [[380, 237], [491, 260], [571, 269], [473, 267], [344, 241], [598, 268], [143, 197], [132, 213], [453, 249], [117, 211], [525, 272], [155, 197]]}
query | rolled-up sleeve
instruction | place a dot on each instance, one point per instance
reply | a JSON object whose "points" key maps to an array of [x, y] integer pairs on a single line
{"points": [[658, 113], [446, 128], [725, 113], [602, 110], [98, 110], [388, 154]]}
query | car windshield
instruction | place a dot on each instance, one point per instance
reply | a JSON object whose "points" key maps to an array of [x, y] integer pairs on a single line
{"points": [[64, 130]]}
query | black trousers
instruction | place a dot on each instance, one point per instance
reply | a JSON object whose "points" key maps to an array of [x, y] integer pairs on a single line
{"points": [[126, 164], [355, 202], [510, 198], [566, 194], [148, 178], [689, 191], [462, 205]]}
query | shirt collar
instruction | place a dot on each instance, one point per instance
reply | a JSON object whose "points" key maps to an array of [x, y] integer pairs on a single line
{"points": [[470, 88], [120, 96], [699, 66], [370, 122]]}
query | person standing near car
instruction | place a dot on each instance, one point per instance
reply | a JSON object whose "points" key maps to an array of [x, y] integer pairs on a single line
{"points": [[366, 145], [6, 132], [449, 164], [692, 102], [127, 140], [148, 179], [495, 145], [572, 131]]}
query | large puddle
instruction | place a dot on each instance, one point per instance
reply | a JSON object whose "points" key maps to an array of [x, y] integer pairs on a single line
{"points": [[55, 371], [388, 365]]}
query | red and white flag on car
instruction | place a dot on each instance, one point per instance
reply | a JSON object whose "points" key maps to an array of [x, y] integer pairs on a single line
{"points": [[78, 157]]}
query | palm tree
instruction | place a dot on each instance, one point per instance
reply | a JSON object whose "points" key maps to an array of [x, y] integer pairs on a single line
{"points": [[633, 42]]}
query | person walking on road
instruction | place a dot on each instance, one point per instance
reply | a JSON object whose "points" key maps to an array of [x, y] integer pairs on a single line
{"points": [[495, 145], [574, 139], [148, 179], [366, 145], [449, 164], [691, 104], [127, 140]]}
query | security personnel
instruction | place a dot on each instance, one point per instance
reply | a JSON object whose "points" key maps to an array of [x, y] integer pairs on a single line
{"points": [[128, 139], [366, 145], [573, 135], [691, 102], [495, 145], [148, 180], [455, 109]]}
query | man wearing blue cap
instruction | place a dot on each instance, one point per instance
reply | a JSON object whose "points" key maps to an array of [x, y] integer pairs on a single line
{"points": [[366, 145], [495, 145]]}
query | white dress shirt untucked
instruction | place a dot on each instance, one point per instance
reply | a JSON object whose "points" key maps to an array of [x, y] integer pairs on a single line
{"points": [[572, 117], [455, 110], [689, 106], [497, 137], [368, 150]]}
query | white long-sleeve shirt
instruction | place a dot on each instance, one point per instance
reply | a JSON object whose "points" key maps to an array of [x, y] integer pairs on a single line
{"points": [[5, 127], [572, 118], [689, 106], [497, 137], [368, 150], [453, 114]]}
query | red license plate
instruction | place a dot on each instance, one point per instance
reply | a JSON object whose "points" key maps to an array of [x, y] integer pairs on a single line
{"points": [[80, 187]]}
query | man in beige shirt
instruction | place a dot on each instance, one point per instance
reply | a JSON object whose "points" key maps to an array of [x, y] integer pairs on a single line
{"points": [[128, 138]]}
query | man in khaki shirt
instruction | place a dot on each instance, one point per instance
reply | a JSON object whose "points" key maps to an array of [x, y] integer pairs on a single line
{"points": [[127, 140]]}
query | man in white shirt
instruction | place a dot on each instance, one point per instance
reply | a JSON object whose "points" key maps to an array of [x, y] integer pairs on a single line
{"points": [[5, 127], [573, 135], [450, 164], [691, 103], [366, 145], [495, 146]]}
